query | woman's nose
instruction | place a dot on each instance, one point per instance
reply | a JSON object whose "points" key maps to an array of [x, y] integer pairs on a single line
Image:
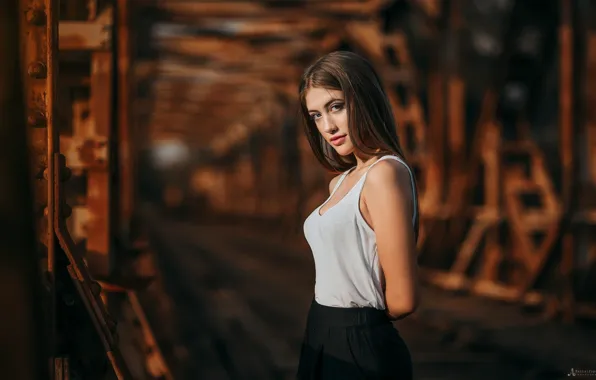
{"points": [[329, 125]]}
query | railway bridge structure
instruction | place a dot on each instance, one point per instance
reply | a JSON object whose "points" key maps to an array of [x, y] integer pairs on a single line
{"points": [[154, 180]]}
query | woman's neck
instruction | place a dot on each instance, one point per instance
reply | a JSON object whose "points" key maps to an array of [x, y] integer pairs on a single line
{"points": [[364, 162]]}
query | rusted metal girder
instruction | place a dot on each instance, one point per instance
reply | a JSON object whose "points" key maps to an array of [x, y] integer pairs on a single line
{"points": [[274, 61], [280, 28], [38, 37], [566, 127], [109, 203], [86, 145], [95, 154], [205, 108], [267, 48], [484, 154], [126, 126], [579, 231], [190, 96], [432, 8], [590, 92], [196, 10], [87, 35], [454, 103], [73, 294], [585, 210], [270, 70], [174, 70], [22, 329], [513, 170]]}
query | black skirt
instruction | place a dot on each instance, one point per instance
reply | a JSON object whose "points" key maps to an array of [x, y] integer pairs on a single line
{"points": [[352, 343]]}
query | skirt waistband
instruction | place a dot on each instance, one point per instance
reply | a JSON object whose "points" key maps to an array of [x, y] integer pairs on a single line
{"points": [[345, 317]]}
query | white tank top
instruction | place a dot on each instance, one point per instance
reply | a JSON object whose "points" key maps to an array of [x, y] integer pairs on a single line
{"points": [[344, 248]]}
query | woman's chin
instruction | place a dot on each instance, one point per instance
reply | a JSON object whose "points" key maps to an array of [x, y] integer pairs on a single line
{"points": [[344, 150]]}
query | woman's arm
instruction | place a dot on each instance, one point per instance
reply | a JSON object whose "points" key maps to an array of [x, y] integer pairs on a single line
{"points": [[390, 207]]}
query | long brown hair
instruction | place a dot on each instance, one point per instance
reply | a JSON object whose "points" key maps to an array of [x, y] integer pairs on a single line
{"points": [[371, 124]]}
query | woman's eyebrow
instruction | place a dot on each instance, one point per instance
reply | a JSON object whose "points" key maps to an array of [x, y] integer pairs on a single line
{"points": [[328, 103]]}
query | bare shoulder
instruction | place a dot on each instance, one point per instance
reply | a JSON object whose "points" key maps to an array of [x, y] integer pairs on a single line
{"points": [[389, 176], [333, 182]]}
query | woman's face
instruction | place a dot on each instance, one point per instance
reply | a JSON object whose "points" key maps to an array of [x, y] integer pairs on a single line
{"points": [[327, 109]]}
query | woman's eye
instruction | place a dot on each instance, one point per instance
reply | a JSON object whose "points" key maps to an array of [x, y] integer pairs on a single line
{"points": [[337, 107], [314, 117]]}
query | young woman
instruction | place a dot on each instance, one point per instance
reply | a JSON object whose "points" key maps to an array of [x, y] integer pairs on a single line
{"points": [[363, 237]]}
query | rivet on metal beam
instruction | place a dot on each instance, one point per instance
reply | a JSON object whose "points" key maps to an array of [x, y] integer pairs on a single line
{"points": [[37, 70], [42, 164], [36, 17], [37, 119], [65, 174]]}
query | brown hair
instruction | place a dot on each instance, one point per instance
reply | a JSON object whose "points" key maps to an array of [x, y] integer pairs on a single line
{"points": [[371, 124]]}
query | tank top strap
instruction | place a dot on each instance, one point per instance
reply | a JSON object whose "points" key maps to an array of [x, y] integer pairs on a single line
{"points": [[412, 181], [339, 181]]}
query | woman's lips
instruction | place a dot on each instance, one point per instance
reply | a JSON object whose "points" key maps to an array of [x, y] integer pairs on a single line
{"points": [[338, 140]]}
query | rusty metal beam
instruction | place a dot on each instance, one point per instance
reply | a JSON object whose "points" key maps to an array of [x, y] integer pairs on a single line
{"points": [[87, 35], [229, 52], [97, 158], [172, 70], [361, 8], [83, 35], [243, 61], [193, 98], [20, 291], [126, 130], [590, 92], [274, 28], [432, 8], [39, 41], [259, 10], [456, 135], [567, 151]]}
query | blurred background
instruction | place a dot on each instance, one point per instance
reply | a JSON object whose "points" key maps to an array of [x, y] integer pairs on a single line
{"points": [[155, 178]]}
